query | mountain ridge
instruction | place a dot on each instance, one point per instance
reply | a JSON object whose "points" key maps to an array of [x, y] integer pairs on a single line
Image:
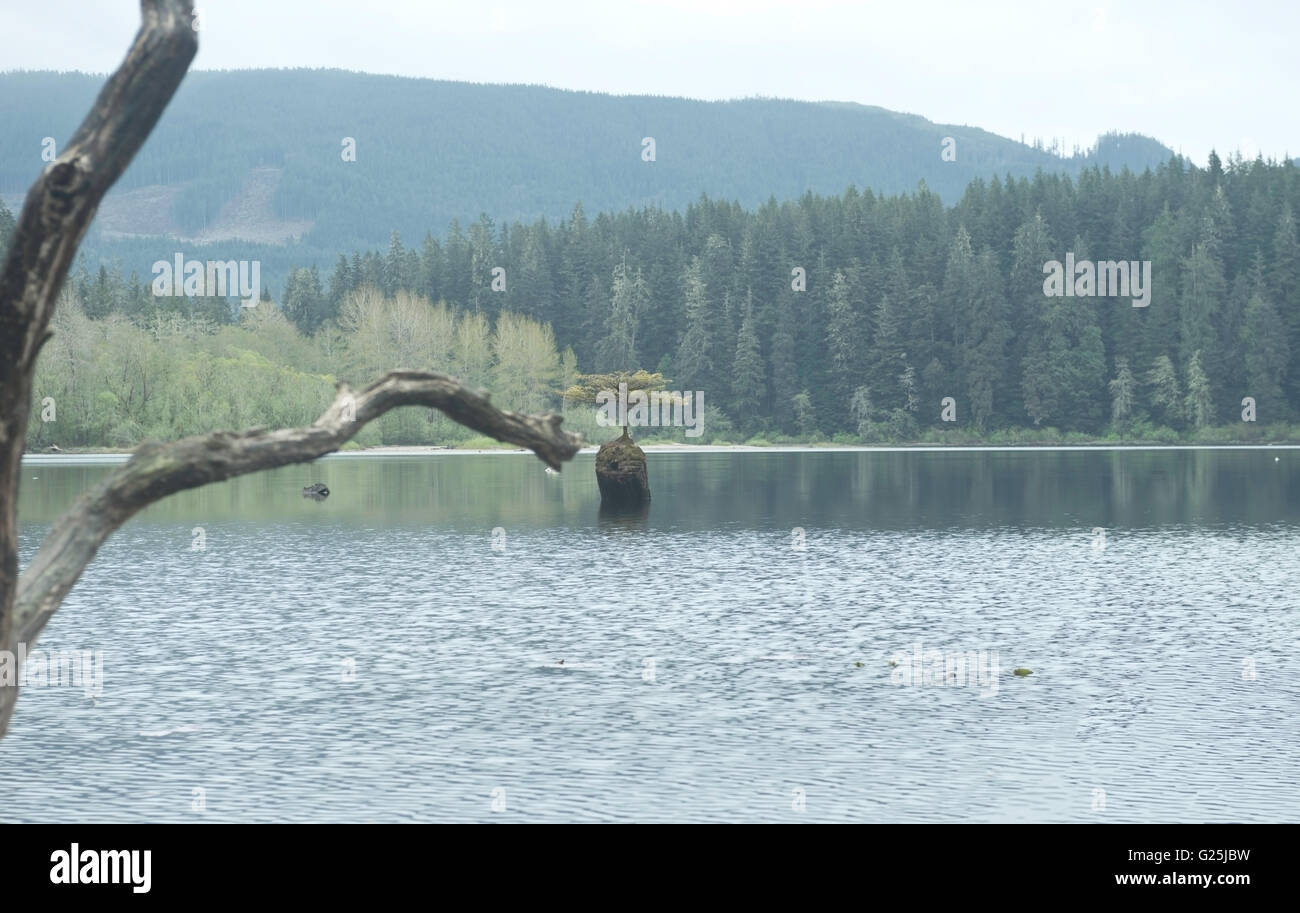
{"points": [[516, 152]]}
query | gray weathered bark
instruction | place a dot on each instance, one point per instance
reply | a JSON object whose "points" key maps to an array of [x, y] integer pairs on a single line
{"points": [[54, 218]]}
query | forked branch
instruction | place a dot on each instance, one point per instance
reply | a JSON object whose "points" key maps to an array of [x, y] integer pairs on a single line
{"points": [[158, 470]]}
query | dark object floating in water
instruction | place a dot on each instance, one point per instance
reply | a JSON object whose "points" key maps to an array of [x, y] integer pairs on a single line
{"points": [[317, 492]]}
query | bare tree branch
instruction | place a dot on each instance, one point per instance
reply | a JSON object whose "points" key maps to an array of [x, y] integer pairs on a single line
{"points": [[54, 218], [158, 470], [55, 215]]}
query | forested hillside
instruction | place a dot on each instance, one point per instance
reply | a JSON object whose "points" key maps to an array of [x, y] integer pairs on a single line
{"points": [[906, 302], [261, 155]]}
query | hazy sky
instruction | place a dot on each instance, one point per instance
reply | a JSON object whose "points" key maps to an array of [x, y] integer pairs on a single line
{"points": [[1192, 74]]}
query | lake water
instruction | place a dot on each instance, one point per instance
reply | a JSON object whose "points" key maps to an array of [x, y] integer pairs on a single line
{"points": [[384, 655]]}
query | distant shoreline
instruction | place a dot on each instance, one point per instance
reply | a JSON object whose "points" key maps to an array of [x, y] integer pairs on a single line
{"points": [[121, 456]]}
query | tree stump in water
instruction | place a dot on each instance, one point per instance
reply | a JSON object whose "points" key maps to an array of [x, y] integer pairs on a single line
{"points": [[621, 474]]}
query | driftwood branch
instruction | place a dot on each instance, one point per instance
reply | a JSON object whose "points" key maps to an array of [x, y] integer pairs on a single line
{"points": [[158, 470], [55, 216]]}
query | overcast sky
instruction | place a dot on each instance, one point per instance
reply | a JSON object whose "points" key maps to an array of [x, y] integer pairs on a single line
{"points": [[1194, 75]]}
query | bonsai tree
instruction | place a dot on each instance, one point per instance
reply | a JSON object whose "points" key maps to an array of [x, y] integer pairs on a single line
{"points": [[588, 387]]}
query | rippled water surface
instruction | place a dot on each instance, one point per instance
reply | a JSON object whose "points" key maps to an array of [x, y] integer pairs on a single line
{"points": [[373, 657]]}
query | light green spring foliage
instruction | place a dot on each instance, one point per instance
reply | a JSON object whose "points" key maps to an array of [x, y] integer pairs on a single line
{"points": [[115, 382], [584, 388], [579, 398]]}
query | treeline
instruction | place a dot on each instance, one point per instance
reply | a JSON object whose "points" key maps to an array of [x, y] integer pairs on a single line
{"points": [[905, 302], [119, 380]]}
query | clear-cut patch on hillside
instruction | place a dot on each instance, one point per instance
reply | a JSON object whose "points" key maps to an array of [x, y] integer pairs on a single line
{"points": [[145, 212], [250, 217], [141, 212]]}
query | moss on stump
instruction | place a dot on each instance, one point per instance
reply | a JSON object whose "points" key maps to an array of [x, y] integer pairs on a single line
{"points": [[621, 473]]}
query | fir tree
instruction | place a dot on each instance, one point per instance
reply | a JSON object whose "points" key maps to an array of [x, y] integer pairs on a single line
{"points": [[1200, 399], [1266, 355], [617, 349], [1123, 393], [1164, 393], [695, 351], [747, 378]]}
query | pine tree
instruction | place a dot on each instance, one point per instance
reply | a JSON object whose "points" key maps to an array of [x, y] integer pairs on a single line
{"points": [[1266, 355], [694, 362], [1164, 245], [574, 275], [1284, 292], [785, 372], [357, 271], [372, 271], [536, 292], [843, 340], [431, 268], [981, 357], [411, 271], [1123, 393], [747, 379], [888, 359], [1064, 366], [1214, 172], [459, 267], [1029, 311], [863, 411], [108, 293], [340, 285], [935, 385], [392, 276], [137, 302], [595, 310], [805, 419], [617, 349], [1164, 393], [483, 257], [1203, 292], [304, 301], [1200, 398]]}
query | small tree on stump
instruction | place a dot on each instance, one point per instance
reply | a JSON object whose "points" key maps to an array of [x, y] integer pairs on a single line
{"points": [[588, 387], [620, 464]]}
